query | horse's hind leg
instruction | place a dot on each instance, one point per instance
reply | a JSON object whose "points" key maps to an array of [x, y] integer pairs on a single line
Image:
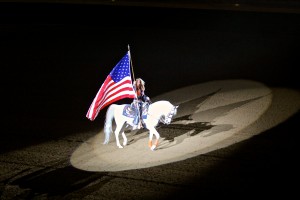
{"points": [[123, 134], [117, 131], [124, 139]]}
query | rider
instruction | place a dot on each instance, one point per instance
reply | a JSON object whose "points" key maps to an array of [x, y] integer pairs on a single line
{"points": [[141, 98]]}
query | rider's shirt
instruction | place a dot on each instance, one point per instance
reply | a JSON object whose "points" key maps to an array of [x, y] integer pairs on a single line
{"points": [[140, 94]]}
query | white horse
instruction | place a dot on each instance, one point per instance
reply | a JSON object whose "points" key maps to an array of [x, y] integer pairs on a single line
{"points": [[160, 111]]}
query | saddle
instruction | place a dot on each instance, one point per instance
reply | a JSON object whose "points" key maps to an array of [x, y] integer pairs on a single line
{"points": [[130, 110]]}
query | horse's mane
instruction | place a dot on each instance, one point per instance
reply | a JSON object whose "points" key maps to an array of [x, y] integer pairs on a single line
{"points": [[162, 105], [164, 102]]}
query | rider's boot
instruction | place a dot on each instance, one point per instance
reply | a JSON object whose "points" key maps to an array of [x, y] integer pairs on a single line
{"points": [[140, 125]]}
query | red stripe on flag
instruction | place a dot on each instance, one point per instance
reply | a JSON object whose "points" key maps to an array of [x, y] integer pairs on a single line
{"points": [[114, 95], [104, 98], [116, 99], [117, 87]]}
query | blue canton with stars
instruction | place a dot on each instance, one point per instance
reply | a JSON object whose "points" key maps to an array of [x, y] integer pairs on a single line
{"points": [[121, 70]]}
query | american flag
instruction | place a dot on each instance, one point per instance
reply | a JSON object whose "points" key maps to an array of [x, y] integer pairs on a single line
{"points": [[117, 85]]}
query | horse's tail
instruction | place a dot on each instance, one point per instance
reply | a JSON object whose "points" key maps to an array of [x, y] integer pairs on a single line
{"points": [[108, 123]]}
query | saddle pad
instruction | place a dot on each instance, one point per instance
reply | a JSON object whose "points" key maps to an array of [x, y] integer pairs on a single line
{"points": [[129, 112]]}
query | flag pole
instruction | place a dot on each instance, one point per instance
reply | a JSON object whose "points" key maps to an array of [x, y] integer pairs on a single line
{"points": [[131, 63], [135, 102]]}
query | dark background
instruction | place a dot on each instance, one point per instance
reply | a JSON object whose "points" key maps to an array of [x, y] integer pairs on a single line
{"points": [[56, 56]]}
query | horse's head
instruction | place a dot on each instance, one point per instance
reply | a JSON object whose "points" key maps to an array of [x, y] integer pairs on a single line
{"points": [[168, 118]]}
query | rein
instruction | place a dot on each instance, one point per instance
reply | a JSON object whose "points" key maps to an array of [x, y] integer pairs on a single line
{"points": [[167, 120]]}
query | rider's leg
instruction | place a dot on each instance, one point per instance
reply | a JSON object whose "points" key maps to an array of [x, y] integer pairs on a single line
{"points": [[141, 115], [136, 115], [136, 119]]}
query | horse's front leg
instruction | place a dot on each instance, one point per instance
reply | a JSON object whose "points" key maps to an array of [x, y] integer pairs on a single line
{"points": [[153, 131], [117, 131]]}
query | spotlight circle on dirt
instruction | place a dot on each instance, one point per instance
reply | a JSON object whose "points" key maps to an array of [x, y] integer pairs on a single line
{"points": [[210, 116]]}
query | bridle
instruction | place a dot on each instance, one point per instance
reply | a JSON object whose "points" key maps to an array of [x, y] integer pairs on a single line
{"points": [[168, 118]]}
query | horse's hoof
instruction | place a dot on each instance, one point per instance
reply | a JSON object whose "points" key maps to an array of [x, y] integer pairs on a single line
{"points": [[105, 142], [120, 147], [124, 144], [153, 147]]}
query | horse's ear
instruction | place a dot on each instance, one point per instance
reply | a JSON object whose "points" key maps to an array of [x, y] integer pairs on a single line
{"points": [[176, 106]]}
